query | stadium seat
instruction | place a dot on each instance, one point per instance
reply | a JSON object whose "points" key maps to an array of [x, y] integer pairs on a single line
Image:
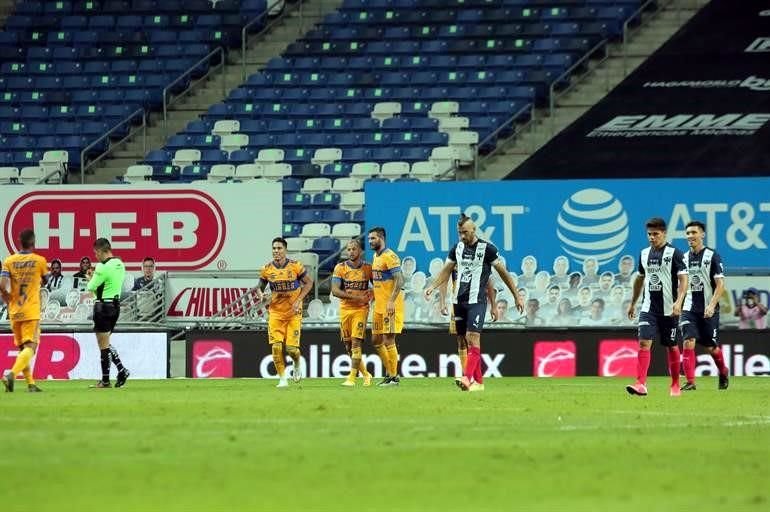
{"points": [[221, 172], [249, 171]]}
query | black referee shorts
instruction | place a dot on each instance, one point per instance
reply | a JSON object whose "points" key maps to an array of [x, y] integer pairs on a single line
{"points": [[106, 315]]}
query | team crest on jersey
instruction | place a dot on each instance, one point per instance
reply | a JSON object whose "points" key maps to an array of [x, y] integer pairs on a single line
{"points": [[296, 333], [667, 259], [360, 325], [386, 320]]}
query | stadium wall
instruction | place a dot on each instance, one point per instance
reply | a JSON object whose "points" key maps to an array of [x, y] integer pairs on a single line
{"points": [[538, 353]]}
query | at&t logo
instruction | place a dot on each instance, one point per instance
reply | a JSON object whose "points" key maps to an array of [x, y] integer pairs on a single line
{"points": [[592, 223]]}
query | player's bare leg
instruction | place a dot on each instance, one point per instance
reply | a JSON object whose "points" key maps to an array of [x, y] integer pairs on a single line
{"points": [[642, 367]]}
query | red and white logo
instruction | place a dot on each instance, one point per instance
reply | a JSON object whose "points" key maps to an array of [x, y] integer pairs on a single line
{"points": [[204, 301], [554, 359], [56, 357], [617, 358], [182, 229], [212, 358]]}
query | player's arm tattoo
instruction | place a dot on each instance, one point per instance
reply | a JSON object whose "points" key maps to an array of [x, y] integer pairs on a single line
{"points": [[337, 291], [398, 283]]}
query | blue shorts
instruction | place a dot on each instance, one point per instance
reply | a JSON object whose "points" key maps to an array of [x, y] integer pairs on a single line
{"points": [[469, 317], [658, 328], [704, 330]]}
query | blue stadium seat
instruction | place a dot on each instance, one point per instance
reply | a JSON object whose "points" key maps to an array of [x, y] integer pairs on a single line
{"points": [[326, 200]]}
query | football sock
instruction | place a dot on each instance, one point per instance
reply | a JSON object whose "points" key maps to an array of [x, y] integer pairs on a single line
{"points": [[642, 366], [689, 364], [295, 354], [463, 353], [362, 369], [474, 359], [278, 361], [28, 376], [116, 359], [383, 353], [22, 360], [673, 365], [392, 359], [355, 362], [719, 359], [478, 375], [105, 360]]}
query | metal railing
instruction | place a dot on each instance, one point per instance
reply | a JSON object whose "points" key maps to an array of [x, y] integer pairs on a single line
{"points": [[553, 94], [477, 159], [257, 19], [148, 304], [167, 102], [113, 146], [637, 14]]}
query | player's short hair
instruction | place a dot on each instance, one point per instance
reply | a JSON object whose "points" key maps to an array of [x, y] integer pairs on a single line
{"points": [[462, 220], [697, 224], [356, 241], [281, 241], [380, 231], [656, 223], [102, 244], [27, 239]]}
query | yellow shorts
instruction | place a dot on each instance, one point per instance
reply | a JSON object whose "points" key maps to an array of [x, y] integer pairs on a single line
{"points": [[353, 323], [384, 324], [24, 331], [280, 330], [452, 325]]}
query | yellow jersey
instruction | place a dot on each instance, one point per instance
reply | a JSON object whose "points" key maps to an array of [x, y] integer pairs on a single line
{"points": [[385, 266], [285, 284], [355, 279], [26, 271]]}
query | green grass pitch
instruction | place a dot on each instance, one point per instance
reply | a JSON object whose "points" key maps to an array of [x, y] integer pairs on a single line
{"points": [[523, 444]]}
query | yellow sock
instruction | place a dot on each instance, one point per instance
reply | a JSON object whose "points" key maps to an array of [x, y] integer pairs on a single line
{"points": [[22, 360], [294, 353], [28, 376], [355, 362], [463, 353], [384, 357], [362, 369], [280, 364], [392, 359]]}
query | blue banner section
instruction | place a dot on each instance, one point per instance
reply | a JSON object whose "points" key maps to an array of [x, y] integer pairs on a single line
{"points": [[580, 222]]}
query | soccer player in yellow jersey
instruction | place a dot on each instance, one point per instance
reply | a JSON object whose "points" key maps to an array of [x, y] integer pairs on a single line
{"points": [[350, 282], [388, 317], [21, 277], [289, 284]]}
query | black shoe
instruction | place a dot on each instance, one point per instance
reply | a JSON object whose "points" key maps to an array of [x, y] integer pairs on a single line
{"points": [[690, 386], [8, 380], [122, 378], [100, 384], [32, 388], [385, 381], [724, 381], [394, 381]]}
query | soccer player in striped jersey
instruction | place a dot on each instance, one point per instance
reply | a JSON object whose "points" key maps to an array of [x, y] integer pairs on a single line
{"points": [[289, 284], [700, 314], [388, 318], [350, 282], [473, 258], [662, 276], [21, 277]]}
